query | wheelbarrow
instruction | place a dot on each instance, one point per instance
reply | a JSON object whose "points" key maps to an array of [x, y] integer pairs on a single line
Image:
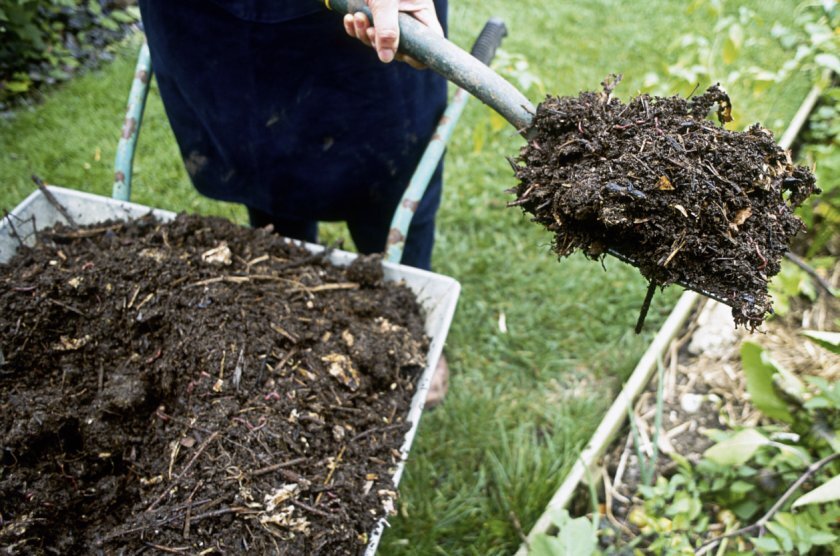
{"points": [[437, 294]]}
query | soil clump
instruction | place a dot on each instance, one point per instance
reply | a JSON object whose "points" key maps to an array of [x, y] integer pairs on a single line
{"points": [[198, 387], [657, 183]]}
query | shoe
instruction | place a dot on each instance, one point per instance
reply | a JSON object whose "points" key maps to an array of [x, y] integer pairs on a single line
{"points": [[439, 385]]}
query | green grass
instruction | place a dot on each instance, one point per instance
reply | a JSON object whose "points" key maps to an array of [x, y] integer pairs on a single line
{"points": [[521, 404]]}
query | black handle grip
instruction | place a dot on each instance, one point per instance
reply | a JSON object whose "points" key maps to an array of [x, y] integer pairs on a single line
{"points": [[489, 40]]}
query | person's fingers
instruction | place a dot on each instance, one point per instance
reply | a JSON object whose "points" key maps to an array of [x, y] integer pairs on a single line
{"points": [[349, 26], [411, 61], [362, 28], [426, 14], [387, 28]]}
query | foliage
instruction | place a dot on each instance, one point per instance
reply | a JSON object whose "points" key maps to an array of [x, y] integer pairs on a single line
{"points": [[46, 42], [812, 39], [718, 56], [576, 537], [746, 473], [704, 59], [791, 282], [821, 150]]}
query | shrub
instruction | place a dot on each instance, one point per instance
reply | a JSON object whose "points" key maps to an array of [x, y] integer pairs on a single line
{"points": [[45, 41]]}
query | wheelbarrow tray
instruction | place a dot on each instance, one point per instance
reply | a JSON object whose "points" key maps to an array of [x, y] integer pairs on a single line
{"points": [[437, 294]]}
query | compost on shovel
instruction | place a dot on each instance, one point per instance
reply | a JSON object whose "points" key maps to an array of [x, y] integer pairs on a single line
{"points": [[196, 387], [658, 183]]}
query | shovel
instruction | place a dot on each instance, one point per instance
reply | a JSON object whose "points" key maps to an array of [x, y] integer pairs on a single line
{"points": [[462, 69]]}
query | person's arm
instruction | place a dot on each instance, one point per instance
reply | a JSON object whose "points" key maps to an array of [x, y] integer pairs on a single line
{"points": [[385, 36]]}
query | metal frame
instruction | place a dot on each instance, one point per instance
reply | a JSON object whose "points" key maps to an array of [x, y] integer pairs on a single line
{"points": [[124, 162]]}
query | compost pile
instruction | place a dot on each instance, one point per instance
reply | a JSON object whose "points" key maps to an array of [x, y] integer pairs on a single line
{"points": [[657, 183], [198, 387]]}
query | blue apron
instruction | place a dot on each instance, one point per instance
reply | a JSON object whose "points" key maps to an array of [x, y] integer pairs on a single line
{"points": [[275, 107]]}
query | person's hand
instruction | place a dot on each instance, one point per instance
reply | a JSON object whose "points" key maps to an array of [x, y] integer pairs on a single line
{"points": [[385, 35]]}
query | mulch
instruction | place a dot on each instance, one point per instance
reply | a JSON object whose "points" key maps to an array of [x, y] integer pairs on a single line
{"points": [[656, 182], [196, 387]]}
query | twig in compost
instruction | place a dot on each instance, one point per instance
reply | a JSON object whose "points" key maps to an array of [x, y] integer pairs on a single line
{"points": [[333, 466], [762, 522], [53, 201], [68, 307], [13, 230], [167, 549], [189, 510], [330, 287], [317, 257], [237, 371], [283, 332], [181, 475], [310, 509], [223, 511], [82, 234], [277, 466], [645, 306], [375, 430]]}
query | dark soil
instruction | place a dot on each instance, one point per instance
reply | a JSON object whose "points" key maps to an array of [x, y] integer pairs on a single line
{"points": [[196, 387], [658, 183]]}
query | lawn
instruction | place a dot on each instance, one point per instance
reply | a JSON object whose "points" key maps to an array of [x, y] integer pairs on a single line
{"points": [[522, 402]]}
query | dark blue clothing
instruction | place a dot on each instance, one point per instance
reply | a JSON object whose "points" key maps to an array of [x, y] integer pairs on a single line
{"points": [[275, 107]]}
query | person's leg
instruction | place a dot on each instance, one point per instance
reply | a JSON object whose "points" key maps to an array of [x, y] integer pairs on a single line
{"points": [[369, 228], [305, 230]]}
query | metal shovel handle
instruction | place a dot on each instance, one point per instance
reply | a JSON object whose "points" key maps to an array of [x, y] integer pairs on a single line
{"points": [[456, 65]]}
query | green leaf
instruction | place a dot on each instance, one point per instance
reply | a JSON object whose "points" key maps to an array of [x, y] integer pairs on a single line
{"points": [[741, 487], [122, 16], [17, 86], [745, 509], [759, 373], [822, 538], [544, 545], [828, 340], [829, 61], [109, 24], [738, 449], [782, 535], [732, 44], [826, 492], [767, 544], [575, 537]]}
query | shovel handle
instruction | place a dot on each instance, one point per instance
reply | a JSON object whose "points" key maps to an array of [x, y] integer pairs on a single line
{"points": [[456, 65]]}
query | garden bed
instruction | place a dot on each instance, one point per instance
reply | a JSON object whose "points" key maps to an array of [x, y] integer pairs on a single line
{"points": [[711, 447], [194, 386]]}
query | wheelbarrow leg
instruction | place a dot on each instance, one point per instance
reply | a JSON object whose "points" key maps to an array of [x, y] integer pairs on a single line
{"points": [[131, 125], [484, 49]]}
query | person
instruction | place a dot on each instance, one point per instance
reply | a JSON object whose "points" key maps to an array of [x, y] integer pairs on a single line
{"points": [[283, 107]]}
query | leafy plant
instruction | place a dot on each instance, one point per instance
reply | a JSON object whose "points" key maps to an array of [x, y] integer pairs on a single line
{"points": [[812, 40], [703, 59], [576, 536], [791, 282], [821, 150], [44, 42]]}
